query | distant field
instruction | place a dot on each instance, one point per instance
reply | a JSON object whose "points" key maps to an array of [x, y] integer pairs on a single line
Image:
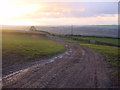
{"points": [[105, 40], [19, 47], [113, 41]]}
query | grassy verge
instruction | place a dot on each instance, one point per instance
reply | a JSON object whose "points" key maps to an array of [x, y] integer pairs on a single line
{"points": [[26, 47]]}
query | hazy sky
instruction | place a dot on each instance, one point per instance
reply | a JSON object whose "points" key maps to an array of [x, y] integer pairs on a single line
{"points": [[76, 12]]}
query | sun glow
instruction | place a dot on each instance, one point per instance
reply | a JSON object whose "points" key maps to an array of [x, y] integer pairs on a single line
{"points": [[11, 10]]}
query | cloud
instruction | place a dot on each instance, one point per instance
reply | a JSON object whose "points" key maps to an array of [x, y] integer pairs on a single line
{"points": [[78, 13], [58, 10], [94, 8], [106, 19]]}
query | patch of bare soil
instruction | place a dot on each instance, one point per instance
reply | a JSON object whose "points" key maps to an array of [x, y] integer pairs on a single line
{"points": [[10, 59], [79, 67]]}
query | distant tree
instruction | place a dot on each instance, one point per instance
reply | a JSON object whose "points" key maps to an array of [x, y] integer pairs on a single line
{"points": [[32, 28]]}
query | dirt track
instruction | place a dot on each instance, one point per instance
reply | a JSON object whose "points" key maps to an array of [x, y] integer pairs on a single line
{"points": [[79, 67]]}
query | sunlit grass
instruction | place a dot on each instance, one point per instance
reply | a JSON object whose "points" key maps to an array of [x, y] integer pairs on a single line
{"points": [[31, 45]]}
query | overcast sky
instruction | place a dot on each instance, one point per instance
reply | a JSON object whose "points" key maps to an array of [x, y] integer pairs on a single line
{"points": [[35, 12]]}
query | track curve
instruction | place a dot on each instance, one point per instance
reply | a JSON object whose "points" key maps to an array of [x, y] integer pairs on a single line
{"points": [[80, 67]]}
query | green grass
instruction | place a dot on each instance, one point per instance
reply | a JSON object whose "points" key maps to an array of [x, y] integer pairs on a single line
{"points": [[30, 45], [114, 41], [104, 40]]}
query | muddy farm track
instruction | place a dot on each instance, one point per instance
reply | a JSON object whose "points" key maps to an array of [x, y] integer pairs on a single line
{"points": [[78, 67]]}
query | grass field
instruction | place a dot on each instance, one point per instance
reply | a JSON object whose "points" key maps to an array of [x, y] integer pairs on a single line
{"points": [[28, 47], [114, 41], [105, 40]]}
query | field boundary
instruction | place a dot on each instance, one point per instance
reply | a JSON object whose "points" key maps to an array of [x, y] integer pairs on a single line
{"points": [[90, 41]]}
